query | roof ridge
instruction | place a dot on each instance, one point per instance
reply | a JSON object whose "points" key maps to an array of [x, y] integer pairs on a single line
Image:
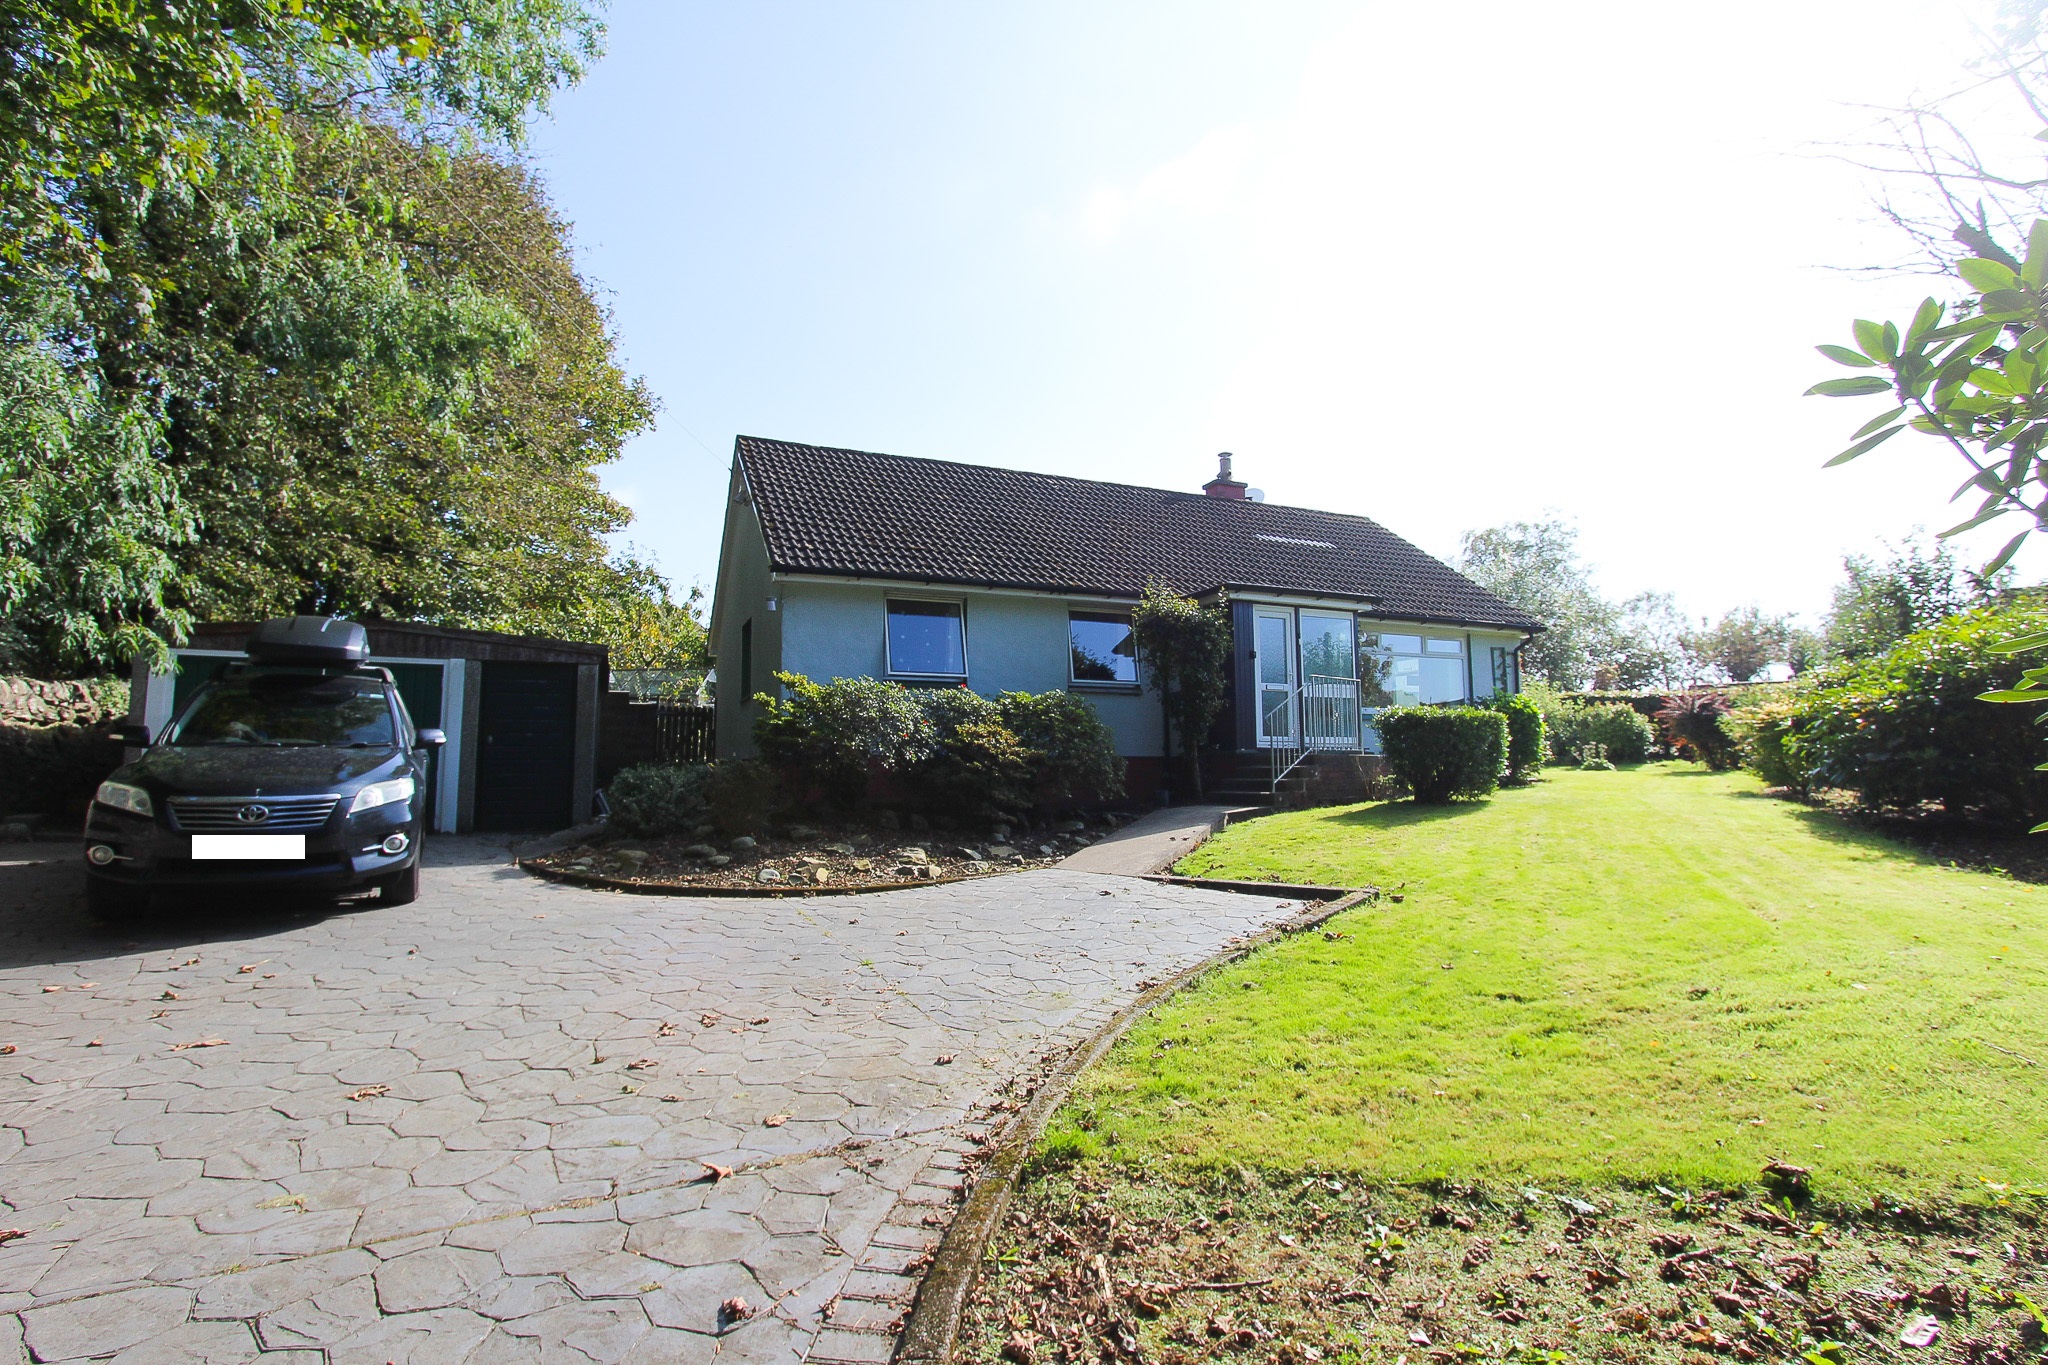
{"points": [[1061, 478]]}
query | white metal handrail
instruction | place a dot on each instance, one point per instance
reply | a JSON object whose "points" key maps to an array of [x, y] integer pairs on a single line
{"points": [[1329, 715]]}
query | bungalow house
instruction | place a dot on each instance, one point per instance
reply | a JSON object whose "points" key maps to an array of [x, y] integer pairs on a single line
{"points": [[843, 563]]}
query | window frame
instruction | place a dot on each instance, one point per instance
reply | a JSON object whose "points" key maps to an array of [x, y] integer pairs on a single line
{"points": [[1137, 679], [889, 647]]}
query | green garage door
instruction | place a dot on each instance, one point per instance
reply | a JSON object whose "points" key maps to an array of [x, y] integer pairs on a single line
{"points": [[419, 687]]}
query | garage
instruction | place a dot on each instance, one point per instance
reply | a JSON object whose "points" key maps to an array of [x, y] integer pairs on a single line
{"points": [[520, 711]]}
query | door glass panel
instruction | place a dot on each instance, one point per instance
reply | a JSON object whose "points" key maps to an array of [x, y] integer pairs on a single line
{"points": [[1326, 650], [1275, 640], [1273, 651]]}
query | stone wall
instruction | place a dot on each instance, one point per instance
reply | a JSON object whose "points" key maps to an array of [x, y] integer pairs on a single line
{"points": [[1340, 779], [56, 744]]}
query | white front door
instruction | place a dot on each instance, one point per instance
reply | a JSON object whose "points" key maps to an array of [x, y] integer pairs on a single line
{"points": [[1273, 665]]}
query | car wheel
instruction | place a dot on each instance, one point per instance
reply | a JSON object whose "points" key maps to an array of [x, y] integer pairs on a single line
{"points": [[110, 902], [401, 888]]}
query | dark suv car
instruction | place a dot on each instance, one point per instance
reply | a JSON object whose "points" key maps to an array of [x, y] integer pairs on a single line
{"points": [[296, 771]]}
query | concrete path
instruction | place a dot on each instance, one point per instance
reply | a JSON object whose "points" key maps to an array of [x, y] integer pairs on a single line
{"points": [[475, 1128], [1151, 843]]}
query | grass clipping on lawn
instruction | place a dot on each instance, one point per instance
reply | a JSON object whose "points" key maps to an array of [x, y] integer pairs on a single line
{"points": [[1590, 988]]}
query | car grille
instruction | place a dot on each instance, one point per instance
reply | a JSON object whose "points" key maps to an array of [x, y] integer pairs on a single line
{"points": [[229, 814]]}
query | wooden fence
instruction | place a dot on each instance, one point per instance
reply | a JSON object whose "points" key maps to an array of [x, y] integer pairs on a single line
{"points": [[685, 732]]}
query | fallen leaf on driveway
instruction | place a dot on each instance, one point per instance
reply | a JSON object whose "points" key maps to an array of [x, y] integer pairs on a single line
{"points": [[94, 1043], [51, 990], [762, 1020], [285, 1201], [88, 986], [735, 1309], [202, 1042], [945, 1059], [708, 1020], [9, 1234], [170, 995], [643, 1064], [775, 1120], [189, 962], [716, 1172], [6, 1049], [244, 971], [671, 1099], [666, 1031], [368, 1092]]}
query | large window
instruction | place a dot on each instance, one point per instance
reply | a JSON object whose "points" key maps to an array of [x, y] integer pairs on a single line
{"points": [[1414, 670], [1102, 647], [927, 639]]}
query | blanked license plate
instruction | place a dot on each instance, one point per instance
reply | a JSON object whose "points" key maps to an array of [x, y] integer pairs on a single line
{"points": [[281, 847]]}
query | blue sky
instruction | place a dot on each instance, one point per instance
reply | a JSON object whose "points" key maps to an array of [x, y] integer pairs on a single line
{"points": [[1443, 266]]}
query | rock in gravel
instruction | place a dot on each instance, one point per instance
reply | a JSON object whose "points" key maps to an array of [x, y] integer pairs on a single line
{"points": [[911, 855], [746, 843], [700, 851], [717, 860], [821, 875], [970, 853], [977, 869], [802, 832], [635, 856], [1070, 826], [1000, 851], [1048, 851], [769, 874], [841, 849]]}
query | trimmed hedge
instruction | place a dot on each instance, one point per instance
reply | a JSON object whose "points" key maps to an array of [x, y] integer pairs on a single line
{"points": [[948, 750], [1620, 731], [653, 799], [1444, 752], [1526, 748]]}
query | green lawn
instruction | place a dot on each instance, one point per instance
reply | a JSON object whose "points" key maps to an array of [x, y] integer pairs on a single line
{"points": [[1648, 975]]}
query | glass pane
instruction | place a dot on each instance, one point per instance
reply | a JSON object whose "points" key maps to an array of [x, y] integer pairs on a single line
{"points": [[291, 710], [1373, 686], [1273, 651], [1501, 682], [1102, 647], [1441, 646], [924, 637], [1401, 644], [1326, 647], [1403, 685], [1442, 679]]}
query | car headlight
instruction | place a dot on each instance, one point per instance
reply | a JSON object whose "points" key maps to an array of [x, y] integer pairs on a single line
{"points": [[383, 794], [121, 796]]}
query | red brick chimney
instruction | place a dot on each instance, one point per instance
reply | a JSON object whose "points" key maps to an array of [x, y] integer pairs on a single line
{"points": [[1223, 486]]}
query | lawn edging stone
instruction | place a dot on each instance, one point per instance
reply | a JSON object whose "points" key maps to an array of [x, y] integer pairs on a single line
{"points": [[933, 1325]]}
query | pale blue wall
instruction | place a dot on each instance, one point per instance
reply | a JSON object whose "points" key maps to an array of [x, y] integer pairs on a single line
{"points": [[1014, 644]]}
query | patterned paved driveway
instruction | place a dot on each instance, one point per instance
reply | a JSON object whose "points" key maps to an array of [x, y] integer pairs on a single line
{"points": [[476, 1128]]}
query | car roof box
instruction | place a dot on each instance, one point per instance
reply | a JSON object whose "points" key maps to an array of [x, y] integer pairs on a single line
{"points": [[326, 641]]}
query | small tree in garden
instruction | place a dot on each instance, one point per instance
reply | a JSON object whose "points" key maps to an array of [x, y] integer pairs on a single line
{"points": [[1693, 719], [1186, 649]]}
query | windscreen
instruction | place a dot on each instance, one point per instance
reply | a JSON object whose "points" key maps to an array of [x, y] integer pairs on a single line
{"points": [[290, 710]]}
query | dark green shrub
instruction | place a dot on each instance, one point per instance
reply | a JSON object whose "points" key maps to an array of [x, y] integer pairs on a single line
{"points": [[1619, 731], [1907, 726], [1074, 757], [742, 794], [831, 738], [1444, 752], [654, 799], [1692, 724], [1526, 748], [979, 770]]}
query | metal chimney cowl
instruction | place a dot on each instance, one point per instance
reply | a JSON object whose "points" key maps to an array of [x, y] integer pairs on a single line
{"points": [[1223, 485]]}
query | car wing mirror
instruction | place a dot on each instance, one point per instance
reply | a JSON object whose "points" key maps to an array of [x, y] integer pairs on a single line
{"points": [[430, 739], [136, 735]]}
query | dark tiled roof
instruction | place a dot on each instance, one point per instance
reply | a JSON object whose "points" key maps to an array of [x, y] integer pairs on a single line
{"points": [[855, 513]]}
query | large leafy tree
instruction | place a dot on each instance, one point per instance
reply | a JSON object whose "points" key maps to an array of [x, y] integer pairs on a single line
{"points": [[1910, 588], [278, 331], [1535, 565]]}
